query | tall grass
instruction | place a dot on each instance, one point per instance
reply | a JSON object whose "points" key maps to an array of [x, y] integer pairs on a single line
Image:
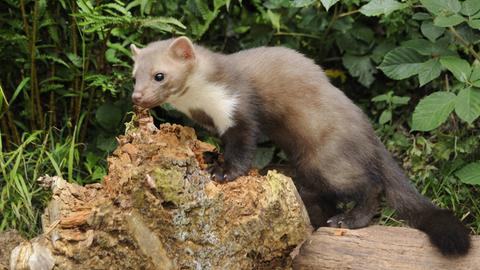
{"points": [[63, 85]]}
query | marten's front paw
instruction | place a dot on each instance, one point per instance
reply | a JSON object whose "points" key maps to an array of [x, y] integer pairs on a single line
{"points": [[348, 221], [221, 174], [217, 173]]}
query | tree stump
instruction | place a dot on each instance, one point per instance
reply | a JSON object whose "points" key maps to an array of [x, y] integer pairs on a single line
{"points": [[159, 209]]}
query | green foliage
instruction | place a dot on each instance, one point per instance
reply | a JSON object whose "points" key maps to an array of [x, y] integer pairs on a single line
{"points": [[392, 102], [328, 3], [401, 63], [66, 81], [433, 110], [467, 104], [470, 174], [427, 59], [459, 67], [380, 7], [450, 48]]}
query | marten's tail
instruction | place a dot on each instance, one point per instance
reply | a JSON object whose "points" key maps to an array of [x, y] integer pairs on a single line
{"points": [[444, 230]]}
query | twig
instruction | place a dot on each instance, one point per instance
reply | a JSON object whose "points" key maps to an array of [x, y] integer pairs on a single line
{"points": [[464, 42], [297, 35], [348, 13]]}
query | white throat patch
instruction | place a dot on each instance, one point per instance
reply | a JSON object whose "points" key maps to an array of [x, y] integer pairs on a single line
{"points": [[214, 99]]}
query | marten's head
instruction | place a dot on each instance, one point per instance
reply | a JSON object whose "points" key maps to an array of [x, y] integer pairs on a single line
{"points": [[161, 70]]}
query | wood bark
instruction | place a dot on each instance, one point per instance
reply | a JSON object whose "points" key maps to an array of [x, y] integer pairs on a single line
{"points": [[159, 209], [378, 248]]}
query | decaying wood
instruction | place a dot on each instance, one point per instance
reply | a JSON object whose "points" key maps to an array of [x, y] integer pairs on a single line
{"points": [[8, 241], [159, 209], [378, 248]]}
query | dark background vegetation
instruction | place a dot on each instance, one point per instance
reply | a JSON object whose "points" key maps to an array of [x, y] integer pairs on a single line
{"points": [[65, 82]]}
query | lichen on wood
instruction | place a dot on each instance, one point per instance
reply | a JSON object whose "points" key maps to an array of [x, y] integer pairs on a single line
{"points": [[158, 208]]}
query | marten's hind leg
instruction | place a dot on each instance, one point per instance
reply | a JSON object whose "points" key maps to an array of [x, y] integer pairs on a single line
{"points": [[366, 206], [320, 208]]}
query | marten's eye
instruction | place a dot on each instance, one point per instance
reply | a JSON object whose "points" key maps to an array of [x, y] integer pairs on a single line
{"points": [[159, 77]]}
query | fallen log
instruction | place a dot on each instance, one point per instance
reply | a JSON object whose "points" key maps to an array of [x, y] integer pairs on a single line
{"points": [[159, 209], [378, 248]]}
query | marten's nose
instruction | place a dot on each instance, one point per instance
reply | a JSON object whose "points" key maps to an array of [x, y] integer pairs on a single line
{"points": [[136, 97]]}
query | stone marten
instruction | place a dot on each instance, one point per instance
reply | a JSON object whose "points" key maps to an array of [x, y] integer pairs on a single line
{"points": [[280, 93]]}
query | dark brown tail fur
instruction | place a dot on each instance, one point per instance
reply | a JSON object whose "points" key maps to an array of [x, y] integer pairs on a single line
{"points": [[445, 231]]}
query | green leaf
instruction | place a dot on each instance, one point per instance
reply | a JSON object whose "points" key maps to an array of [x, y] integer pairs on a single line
{"points": [[274, 4], [116, 7], [431, 31], [459, 67], [400, 100], [467, 105], [380, 7], [75, 59], [108, 116], [401, 63], [433, 110], [363, 33], [111, 57], [444, 7], [328, 3], [470, 35], [263, 156], [42, 6], [85, 6], [427, 48], [360, 67], [99, 172], [429, 71], [452, 20], [143, 5], [475, 76], [385, 117], [19, 88], [106, 143], [381, 50], [274, 19], [217, 4], [383, 97], [470, 174], [302, 3], [421, 16], [474, 24], [470, 7], [241, 29]]}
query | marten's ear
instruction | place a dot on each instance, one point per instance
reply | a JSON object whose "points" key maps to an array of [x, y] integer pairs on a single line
{"points": [[134, 50], [182, 49]]}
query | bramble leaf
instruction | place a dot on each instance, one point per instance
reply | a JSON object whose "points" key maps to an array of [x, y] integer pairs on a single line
{"points": [[470, 174], [433, 110], [401, 63], [467, 105], [381, 7]]}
